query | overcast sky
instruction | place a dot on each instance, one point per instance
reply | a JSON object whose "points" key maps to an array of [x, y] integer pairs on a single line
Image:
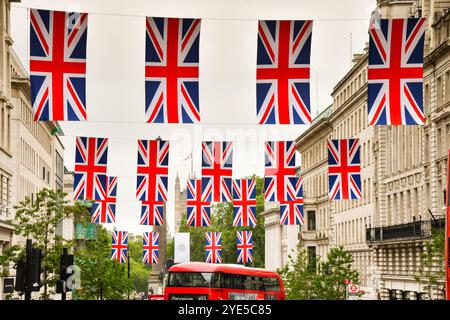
{"points": [[115, 79]]}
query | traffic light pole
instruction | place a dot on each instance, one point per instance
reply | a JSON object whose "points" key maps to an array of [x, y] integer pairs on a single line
{"points": [[28, 274], [65, 258]]}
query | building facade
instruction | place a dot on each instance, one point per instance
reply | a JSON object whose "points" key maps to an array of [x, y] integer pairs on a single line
{"points": [[31, 153], [403, 171]]}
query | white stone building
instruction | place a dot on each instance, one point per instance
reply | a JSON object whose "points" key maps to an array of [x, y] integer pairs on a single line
{"points": [[403, 171], [31, 153]]}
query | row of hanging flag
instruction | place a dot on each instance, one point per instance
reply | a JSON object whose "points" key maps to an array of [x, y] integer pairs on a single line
{"points": [[213, 247], [281, 181], [58, 42]]}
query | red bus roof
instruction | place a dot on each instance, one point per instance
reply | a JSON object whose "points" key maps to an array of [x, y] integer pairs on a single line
{"points": [[224, 268]]}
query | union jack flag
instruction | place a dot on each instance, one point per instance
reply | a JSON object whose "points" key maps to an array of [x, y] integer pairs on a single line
{"points": [[395, 72], [119, 246], [291, 211], [152, 170], [58, 65], [217, 169], [282, 74], [152, 213], [280, 157], [344, 169], [171, 70], [244, 246], [198, 204], [104, 211], [213, 247], [150, 247], [91, 156], [244, 202]]}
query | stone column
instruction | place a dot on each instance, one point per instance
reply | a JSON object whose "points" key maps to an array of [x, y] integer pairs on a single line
{"points": [[399, 294], [412, 295]]}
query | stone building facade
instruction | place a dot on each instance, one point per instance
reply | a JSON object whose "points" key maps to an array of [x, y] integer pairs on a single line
{"points": [[403, 170], [31, 153]]}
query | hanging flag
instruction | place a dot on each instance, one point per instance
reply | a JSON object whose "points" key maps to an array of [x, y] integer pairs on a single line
{"points": [[171, 70], [152, 213], [395, 72], [119, 246], [198, 204], [244, 246], [58, 65], [291, 210], [150, 247], [217, 170], [91, 157], [280, 165], [282, 73], [213, 247], [244, 202], [152, 170], [344, 169], [104, 211]]}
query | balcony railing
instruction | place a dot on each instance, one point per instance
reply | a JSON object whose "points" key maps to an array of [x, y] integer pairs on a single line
{"points": [[412, 230]]}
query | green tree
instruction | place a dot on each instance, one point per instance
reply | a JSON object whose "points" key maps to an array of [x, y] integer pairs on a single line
{"points": [[298, 276], [305, 279], [432, 266], [101, 277], [332, 273], [222, 221], [139, 271], [37, 219]]}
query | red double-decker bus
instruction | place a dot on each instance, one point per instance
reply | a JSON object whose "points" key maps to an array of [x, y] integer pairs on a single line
{"points": [[206, 281]]}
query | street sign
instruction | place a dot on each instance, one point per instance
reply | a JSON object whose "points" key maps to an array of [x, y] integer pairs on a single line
{"points": [[353, 289], [8, 285]]}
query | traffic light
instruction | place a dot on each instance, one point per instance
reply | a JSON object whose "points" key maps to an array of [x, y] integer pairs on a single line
{"points": [[36, 269], [65, 261], [21, 268]]}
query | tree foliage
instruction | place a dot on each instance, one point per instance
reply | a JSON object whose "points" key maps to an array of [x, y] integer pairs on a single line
{"points": [[324, 280], [222, 221], [101, 277], [38, 219], [432, 266]]}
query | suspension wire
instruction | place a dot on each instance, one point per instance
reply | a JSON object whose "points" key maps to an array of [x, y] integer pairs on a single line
{"points": [[130, 15]]}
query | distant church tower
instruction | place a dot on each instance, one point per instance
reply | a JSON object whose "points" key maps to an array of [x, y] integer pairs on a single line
{"points": [[180, 203]]}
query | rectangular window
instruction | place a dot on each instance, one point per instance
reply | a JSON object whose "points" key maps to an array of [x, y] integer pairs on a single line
{"points": [[312, 257], [311, 220], [439, 92]]}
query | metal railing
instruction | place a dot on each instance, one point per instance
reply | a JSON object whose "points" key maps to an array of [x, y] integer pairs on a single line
{"points": [[412, 230]]}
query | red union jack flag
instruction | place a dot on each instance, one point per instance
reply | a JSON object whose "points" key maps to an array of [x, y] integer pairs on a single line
{"points": [[150, 247], [395, 72], [119, 246], [291, 211], [58, 65], [217, 169], [91, 156], [213, 247], [344, 169], [282, 74], [171, 70], [104, 211], [244, 202], [244, 246], [152, 170], [152, 213], [198, 204], [280, 157]]}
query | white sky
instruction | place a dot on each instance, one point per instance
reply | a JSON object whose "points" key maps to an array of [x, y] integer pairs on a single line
{"points": [[115, 79]]}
